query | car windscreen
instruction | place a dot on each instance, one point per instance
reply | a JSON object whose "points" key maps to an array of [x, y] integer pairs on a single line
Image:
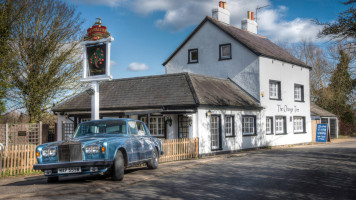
{"points": [[101, 127]]}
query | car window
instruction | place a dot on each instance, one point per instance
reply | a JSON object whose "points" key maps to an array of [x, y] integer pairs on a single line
{"points": [[141, 129], [132, 128], [101, 127]]}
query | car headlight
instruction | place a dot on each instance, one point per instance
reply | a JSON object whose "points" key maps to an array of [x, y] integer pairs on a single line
{"points": [[52, 152], [92, 149], [45, 152], [49, 152]]}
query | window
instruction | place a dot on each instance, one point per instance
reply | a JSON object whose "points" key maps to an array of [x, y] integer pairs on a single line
{"points": [[157, 128], [274, 89], [298, 92], [215, 132], [280, 125], [299, 124], [248, 125], [269, 125], [132, 128], [183, 126], [229, 126], [225, 51], [143, 118], [193, 56], [141, 129]]}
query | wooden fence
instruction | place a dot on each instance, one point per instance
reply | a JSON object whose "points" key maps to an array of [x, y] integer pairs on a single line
{"points": [[17, 160], [179, 149]]}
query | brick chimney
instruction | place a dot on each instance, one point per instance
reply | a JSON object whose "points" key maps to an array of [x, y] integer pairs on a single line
{"points": [[249, 24], [220, 13]]}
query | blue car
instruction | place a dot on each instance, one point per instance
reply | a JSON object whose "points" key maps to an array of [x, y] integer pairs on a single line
{"points": [[100, 147]]}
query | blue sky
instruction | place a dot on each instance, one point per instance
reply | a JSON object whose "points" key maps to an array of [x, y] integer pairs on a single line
{"points": [[146, 32]]}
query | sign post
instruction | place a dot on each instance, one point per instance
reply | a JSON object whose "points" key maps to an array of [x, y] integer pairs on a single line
{"points": [[321, 133], [96, 62]]}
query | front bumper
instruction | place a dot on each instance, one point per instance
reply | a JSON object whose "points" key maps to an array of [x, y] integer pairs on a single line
{"points": [[91, 163]]}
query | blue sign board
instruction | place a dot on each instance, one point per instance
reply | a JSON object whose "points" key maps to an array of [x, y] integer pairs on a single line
{"points": [[321, 133]]}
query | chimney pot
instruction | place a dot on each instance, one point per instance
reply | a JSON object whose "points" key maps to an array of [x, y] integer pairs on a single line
{"points": [[221, 13], [252, 16]]}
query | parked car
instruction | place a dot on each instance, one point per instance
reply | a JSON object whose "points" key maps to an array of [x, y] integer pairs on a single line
{"points": [[100, 147]]}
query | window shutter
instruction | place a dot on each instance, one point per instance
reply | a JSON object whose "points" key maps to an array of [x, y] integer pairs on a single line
{"points": [[285, 124], [279, 90], [302, 91]]}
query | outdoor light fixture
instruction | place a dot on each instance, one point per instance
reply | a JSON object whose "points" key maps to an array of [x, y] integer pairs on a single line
{"points": [[208, 114], [90, 91], [168, 120], [190, 121]]}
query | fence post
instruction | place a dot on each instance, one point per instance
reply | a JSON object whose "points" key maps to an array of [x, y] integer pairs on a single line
{"points": [[6, 135], [40, 130]]}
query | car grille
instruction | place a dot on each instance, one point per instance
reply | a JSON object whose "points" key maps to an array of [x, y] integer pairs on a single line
{"points": [[69, 152]]}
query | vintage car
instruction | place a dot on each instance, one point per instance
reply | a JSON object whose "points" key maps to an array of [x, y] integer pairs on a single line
{"points": [[100, 147]]}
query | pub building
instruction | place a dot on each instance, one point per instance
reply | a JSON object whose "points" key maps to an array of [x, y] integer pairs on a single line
{"points": [[230, 87]]}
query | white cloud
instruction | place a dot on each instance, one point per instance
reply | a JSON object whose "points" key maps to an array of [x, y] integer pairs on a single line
{"points": [[184, 13], [137, 67], [112, 63], [111, 3], [272, 25], [180, 14]]}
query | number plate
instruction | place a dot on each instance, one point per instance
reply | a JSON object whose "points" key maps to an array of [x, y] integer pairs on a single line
{"points": [[69, 170]]}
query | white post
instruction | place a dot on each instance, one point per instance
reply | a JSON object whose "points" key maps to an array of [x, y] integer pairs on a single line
{"points": [[7, 135], [95, 101], [85, 68], [107, 70]]}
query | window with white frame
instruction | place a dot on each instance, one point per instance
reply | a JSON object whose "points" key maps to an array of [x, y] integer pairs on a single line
{"points": [[299, 124], [274, 89], [280, 124], [157, 126], [192, 55], [225, 51], [248, 125], [269, 125], [298, 92], [229, 126]]}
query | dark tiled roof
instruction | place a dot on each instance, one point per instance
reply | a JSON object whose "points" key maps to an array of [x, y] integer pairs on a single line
{"points": [[316, 110], [259, 45], [182, 89]]}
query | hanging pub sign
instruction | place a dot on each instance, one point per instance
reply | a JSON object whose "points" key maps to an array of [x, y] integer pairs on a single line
{"points": [[96, 47], [96, 58]]}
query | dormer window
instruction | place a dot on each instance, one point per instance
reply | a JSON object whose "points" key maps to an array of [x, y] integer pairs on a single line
{"points": [[225, 51], [193, 56]]}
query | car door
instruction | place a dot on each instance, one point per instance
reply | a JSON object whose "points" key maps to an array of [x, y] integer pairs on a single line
{"points": [[137, 143], [146, 139]]}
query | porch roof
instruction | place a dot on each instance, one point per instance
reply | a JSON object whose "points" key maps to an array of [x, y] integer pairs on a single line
{"points": [[318, 111], [179, 90]]}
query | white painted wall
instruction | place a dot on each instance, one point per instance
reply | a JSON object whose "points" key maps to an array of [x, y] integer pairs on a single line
{"points": [[242, 68], [289, 75], [228, 143]]}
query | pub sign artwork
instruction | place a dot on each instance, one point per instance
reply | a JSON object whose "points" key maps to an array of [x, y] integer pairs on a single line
{"points": [[96, 55]]}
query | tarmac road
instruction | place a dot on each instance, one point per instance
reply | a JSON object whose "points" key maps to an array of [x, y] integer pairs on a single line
{"points": [[303, 172]]}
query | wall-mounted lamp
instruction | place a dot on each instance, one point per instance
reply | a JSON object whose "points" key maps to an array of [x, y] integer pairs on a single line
{"points": [[208, 114], [190, 121], [90, 91], [262, 94], [168, 120]]}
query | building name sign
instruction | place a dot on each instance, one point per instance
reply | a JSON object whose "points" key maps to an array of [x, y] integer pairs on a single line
{"points": [[287, 109]]}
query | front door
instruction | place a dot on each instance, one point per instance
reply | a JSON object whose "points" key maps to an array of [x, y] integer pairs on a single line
{"points": [[215, 131], [137, 143], [183, 126]]}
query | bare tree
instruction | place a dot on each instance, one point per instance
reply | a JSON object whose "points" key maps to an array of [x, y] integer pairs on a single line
{"points": [[47, 53]]}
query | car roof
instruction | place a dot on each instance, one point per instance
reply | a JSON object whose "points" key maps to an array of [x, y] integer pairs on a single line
{"points": [[112, 119]]}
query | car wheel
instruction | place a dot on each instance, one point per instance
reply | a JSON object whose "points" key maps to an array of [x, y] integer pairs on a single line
{"points": [[52, 179], [153, 163], [118, 167]]}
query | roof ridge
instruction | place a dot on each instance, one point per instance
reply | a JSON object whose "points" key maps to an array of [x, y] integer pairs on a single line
{"points": [[255, 34], [146, 77]]}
